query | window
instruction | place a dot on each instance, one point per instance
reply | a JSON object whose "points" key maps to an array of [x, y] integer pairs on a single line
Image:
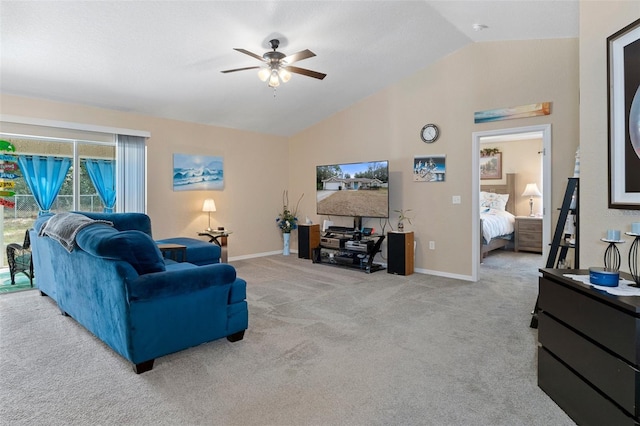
{"points": [[113, 159]]}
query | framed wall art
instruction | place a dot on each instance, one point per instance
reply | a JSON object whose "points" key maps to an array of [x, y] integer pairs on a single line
{"points": [[623, 72], [523, 111], [197, 172], [430, 168], [491, 165]]}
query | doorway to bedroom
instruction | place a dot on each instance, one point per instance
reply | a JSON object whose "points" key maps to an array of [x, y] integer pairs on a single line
{"points": [[515, 163]]}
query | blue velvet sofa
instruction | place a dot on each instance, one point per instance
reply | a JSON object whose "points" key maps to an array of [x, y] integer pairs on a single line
{"points": [[112, 279]]}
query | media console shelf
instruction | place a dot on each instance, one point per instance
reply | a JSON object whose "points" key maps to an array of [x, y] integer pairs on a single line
{"points": [[349, 249]]}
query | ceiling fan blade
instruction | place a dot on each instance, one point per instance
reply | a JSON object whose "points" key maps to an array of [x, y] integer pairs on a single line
{"points": [[239, 69], [306, 72], [303, 54], [246, 52]]}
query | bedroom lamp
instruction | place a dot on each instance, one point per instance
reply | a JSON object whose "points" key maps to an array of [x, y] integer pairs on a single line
{"points": [[531, 191], [209, 206]]}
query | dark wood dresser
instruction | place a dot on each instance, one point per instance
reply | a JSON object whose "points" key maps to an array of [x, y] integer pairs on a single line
{"points": [[589, 350]]}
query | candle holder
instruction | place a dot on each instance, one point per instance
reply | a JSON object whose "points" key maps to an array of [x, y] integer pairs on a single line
{"points": [[612, 255], [633, 257]]}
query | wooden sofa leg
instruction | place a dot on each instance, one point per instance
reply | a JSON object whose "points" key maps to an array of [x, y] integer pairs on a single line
{"points": [[235, 337], [143, 366]]}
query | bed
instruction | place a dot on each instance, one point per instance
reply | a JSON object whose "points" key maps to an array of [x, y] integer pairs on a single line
{"points": [[497, 207]]}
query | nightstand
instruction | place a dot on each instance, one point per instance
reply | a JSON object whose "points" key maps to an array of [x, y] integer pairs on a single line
{"points": [[528, 234]]}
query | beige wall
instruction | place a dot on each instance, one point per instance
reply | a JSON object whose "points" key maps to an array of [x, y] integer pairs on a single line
{"points": [[387, 124], [384, 126], [598, 20], [255, 168]]}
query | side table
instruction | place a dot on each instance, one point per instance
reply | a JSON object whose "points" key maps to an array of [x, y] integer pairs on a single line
{"points": [[171, 251], [218, 237], [528, 234]]}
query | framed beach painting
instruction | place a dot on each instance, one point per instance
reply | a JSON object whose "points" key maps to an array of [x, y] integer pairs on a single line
{"points": [[197, 172], [623, 71]]}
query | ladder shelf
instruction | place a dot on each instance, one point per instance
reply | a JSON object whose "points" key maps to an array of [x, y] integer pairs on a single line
{"points": [[559, 246]]}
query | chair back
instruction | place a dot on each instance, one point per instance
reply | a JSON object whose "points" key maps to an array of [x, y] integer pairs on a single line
{"points": [[27, 241]]}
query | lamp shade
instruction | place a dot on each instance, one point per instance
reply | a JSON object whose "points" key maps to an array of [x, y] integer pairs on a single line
{"points": [[264, 74], [531, 191], [209, 205], [284, 75]]}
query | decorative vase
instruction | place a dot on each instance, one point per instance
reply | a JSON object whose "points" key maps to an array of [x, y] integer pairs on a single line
{"points": [[400, 226], [285, 249]]}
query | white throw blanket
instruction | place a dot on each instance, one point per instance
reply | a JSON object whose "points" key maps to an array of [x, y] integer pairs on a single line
{"points": [[64, 227]]}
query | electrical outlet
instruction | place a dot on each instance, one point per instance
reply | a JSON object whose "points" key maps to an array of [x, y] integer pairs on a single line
{"points": [[456, 199], [432, 245]]}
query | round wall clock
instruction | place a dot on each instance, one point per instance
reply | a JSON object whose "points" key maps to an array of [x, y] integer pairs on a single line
{"points": [[429, 133]]}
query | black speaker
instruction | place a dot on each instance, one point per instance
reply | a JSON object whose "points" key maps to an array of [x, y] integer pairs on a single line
{"points": [[400, 253], [308, 239]]}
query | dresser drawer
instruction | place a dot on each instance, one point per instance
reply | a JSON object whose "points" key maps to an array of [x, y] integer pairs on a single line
{"points": [[612, 376], [598, 321], [529, 225], [529, 239], [579, 400]]}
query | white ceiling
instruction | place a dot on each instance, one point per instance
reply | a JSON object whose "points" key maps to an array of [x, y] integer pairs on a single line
{"points": [[163, 58]]}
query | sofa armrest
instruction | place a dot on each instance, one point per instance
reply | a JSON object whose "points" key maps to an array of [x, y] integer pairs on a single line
{"points": [[174, 282]]}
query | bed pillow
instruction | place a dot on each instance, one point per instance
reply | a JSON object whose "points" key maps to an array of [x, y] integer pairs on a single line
{"points": [[492, 200]]}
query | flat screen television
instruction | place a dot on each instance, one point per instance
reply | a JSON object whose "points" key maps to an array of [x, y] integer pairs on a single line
{"points": [[353, 189]]}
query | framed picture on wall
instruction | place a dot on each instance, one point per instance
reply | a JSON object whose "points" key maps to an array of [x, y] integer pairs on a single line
{"points": [[197, 172], [491, 166], [431, 168], [623, 71]]}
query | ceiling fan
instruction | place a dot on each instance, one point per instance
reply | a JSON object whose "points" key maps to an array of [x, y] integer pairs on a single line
{"points": [[279, 65]]}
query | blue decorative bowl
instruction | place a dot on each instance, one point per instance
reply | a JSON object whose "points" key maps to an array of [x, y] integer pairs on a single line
{"points": [[604, 277]]}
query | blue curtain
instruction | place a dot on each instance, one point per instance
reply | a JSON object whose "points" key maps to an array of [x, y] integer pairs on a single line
{"points": [[44, 177], [103, 176]]}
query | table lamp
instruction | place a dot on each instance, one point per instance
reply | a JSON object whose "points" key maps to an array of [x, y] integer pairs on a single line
{"points": [[209, 206], [531, 191]]}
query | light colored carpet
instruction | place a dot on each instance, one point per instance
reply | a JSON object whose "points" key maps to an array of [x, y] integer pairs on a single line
{"points": [[325, 346]]}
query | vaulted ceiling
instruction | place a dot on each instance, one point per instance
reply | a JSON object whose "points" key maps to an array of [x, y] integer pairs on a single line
{"points": [[163, 58]]}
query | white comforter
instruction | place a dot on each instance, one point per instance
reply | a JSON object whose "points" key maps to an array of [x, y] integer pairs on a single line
{"points": [[496, 223]]}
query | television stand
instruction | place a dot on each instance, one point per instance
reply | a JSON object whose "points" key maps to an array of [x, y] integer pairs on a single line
{"points": [[349, 249]]}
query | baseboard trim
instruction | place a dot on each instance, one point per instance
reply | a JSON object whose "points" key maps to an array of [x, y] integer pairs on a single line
{"points": [[444, 274], [256, 255], [417, 270]]}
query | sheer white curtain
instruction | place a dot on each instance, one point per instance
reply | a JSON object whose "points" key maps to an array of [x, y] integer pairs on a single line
{"points": [[130, 168]]}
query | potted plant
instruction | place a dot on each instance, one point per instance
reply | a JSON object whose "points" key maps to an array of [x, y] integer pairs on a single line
{"points": [[402, 216], [287, 220]]}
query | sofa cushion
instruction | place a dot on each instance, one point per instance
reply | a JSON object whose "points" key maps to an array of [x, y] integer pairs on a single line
{"points": [[134, 247], [124, 221], [63, 227]]}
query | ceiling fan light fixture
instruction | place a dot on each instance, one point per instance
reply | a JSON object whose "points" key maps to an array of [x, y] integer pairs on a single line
{"points": [[274, 81], [277, 66], [284, 75], [264, 74]]}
